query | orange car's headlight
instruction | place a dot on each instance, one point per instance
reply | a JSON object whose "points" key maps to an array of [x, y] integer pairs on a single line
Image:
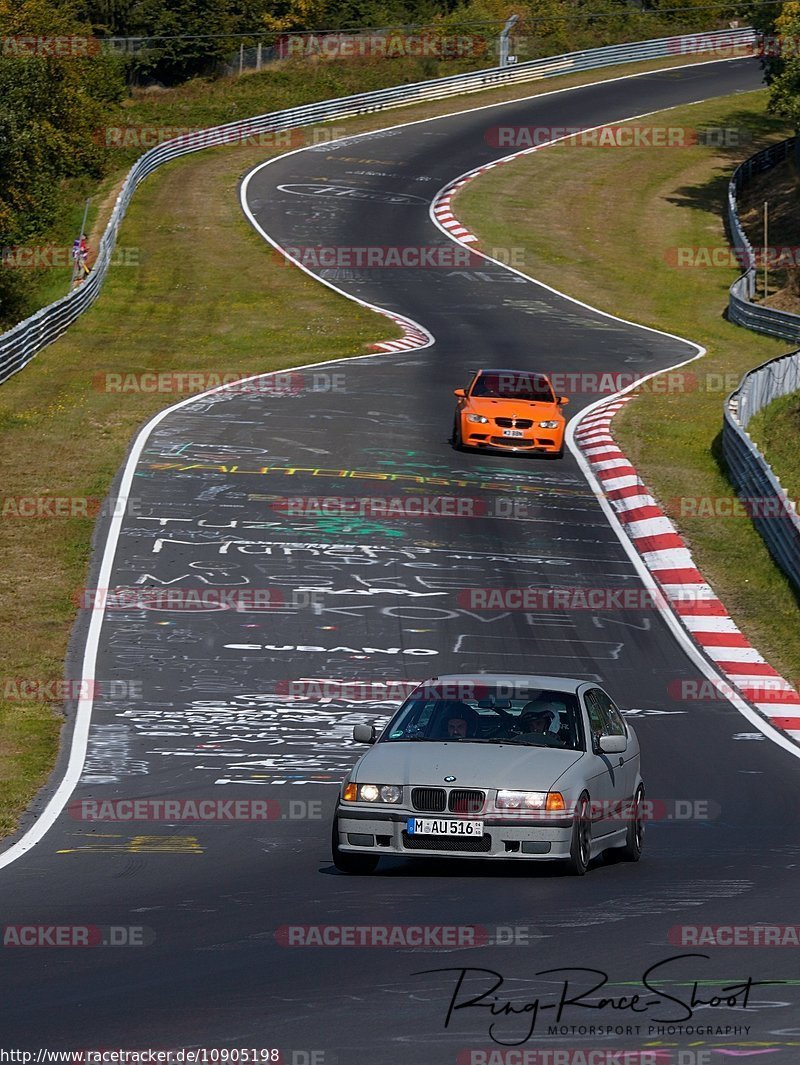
{"points": [[477, 418], [549, 425]]}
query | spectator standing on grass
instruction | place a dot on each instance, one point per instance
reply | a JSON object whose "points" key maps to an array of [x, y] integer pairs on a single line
{"points": [[80, 256]]}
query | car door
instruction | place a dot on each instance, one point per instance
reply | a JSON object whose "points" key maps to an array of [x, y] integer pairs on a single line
{"points": [[608, 776], [616, 726]]}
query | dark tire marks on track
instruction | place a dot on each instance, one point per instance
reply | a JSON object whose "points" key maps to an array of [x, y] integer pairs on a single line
{"points": [[212, 719]]}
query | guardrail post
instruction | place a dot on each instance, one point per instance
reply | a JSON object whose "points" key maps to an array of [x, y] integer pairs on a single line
{"points": [[512, 21], [26, 339]]}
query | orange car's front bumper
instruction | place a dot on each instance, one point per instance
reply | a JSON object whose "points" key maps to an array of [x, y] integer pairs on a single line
{"points": [[490, 437]]}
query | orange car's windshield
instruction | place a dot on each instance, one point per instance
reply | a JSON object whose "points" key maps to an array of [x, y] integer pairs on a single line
{"points": [[511, 385]]}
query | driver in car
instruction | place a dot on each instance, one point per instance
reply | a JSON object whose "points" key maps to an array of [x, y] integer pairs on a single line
{"points": [[461, 722], [542, 719]]}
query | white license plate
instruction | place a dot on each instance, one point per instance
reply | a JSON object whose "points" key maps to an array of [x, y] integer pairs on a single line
{"points": [[512, 432], [443, 826]]}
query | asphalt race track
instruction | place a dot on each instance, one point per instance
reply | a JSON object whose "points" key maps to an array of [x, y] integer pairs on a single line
{"points": [[364, 599]]}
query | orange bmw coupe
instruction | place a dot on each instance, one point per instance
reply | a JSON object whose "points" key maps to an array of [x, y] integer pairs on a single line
{"points": [[509, 410]]}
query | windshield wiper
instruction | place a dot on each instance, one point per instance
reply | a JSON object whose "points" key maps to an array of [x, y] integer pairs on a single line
{"points": [[488, 739]]}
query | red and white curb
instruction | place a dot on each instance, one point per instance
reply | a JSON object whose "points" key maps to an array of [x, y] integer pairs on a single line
{"points": [[414, 336], [663, 552], [443, 204], [443, 212], [669, 560]]}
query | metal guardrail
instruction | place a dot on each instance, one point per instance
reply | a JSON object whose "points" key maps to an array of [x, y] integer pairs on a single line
{"points": [[773, 514], [770, 509], [25, 340], [741, 309]]}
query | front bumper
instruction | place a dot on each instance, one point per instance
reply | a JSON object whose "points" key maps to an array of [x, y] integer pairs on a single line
{"points": [[485, 438], [378, 832]]}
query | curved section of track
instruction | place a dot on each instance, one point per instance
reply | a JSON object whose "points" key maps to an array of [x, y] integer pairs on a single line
{"points": [[374, 601]]}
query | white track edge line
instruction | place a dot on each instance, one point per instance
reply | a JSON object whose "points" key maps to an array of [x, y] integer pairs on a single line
{"points": [[672, 620], [80, 733]]}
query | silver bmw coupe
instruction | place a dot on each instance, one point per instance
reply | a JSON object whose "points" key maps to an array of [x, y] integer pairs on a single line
{"points": [[526, 768]]}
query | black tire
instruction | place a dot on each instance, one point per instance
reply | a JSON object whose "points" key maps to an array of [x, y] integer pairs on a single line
{"points": [[346, 862], [580, 845], [455, 439], [634, 839]]}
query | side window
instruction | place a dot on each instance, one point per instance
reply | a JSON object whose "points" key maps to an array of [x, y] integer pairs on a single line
{"points": [[615, 719], [612, 723], [597, 723]]}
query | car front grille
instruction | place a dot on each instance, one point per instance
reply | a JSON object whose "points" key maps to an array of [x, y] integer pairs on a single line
{"points": [[465, 802], [509, 423], [511, 441], [431, 800], [474, 844]]}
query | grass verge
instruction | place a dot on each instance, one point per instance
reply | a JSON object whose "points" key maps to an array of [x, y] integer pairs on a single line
{"points": [[206, 294], [151, 115], [775, 430], [779, 188], [604, 226]]}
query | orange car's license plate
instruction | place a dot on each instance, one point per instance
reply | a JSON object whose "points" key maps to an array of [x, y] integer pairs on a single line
{"points": [[512, 432]]}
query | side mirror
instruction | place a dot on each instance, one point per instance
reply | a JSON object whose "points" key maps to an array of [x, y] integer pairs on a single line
{"points": [[613, 744], [460, 392], [563, 401], [364, 733]]}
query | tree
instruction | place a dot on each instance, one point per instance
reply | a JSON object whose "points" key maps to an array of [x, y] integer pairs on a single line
{"points": [[50, 106]]}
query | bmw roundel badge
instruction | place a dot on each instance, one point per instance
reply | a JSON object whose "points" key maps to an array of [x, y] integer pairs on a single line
{"points": [[449, 780]]}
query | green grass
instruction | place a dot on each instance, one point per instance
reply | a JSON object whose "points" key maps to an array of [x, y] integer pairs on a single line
{"points": [[208, 294], [208, 102], [600, 224], [776, 432]]}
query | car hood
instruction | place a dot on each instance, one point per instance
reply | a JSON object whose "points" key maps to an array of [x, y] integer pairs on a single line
{"points": [[474, 765], [506, 408]]}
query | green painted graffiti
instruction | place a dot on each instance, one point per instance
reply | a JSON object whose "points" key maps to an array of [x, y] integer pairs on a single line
{"points": [[353, 525]]}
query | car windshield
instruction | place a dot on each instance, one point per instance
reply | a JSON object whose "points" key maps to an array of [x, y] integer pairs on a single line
{"points": [[489, 714], [506, 384]]}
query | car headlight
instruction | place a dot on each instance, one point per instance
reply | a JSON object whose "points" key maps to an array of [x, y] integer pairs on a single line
{"points": [[477, 418], [521, 800], [551, 801], [548, 425], [373, 793]]}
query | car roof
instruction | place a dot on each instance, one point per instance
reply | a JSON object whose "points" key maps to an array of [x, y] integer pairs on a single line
{"points": [[517, 370], [531, 680]]}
